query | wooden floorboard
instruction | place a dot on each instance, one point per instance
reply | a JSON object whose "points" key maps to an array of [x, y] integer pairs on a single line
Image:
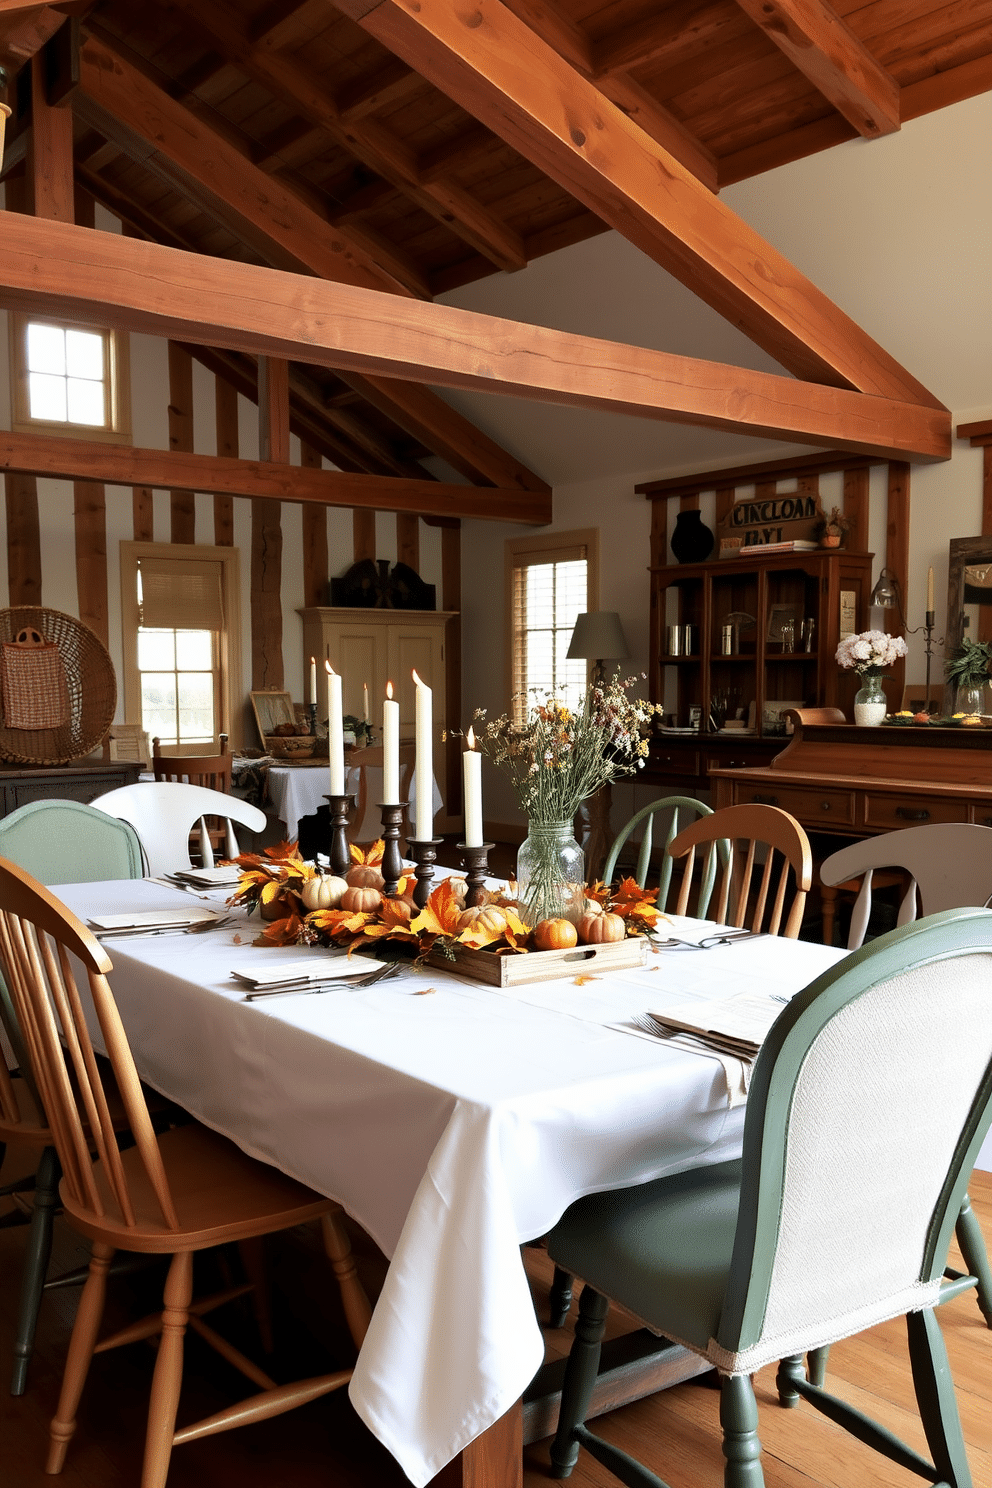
{"points": [[675, 1433]]}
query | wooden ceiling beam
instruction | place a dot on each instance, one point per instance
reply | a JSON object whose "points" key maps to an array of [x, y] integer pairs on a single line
{"points": [[281, 24], [121, 465], [367, 140], [827, 52], [164, 137], [504, 75], [663, 39], [390, 83], [24, 32], [568, 39], [144, 287], [251, 205]]}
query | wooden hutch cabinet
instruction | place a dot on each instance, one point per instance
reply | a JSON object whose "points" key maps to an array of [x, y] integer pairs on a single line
{"points": [[747, 673]]}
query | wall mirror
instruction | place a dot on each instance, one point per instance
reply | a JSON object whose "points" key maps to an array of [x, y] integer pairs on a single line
{"points": [[969, 591]]}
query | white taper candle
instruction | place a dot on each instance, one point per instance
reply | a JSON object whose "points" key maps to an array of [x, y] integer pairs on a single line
{"points": [[472, 779], [423, 817], [335, 731], [929, 588], [313, 680], [390, 749]]}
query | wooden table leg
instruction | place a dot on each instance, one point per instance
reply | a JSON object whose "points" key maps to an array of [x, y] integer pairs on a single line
{"points": [[493, 1460]]}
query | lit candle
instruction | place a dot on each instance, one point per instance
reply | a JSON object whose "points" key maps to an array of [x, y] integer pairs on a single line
{"points": [[335, 731], [930, 588], [423, 818], [390, 749], [365, 696], [313, 680], [472, 778]]}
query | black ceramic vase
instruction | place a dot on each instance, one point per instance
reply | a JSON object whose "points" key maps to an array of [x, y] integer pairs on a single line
{"points": [[692, 540]]}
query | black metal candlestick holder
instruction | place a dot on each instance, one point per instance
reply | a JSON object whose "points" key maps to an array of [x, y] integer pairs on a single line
{"points": [[392, 858], [424, 854], [476, 861], [928, 630], [313, 720], [338, 848]]}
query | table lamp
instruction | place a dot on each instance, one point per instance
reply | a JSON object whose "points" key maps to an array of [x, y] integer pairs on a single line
{"points": [[885, 596], [598, 634]]}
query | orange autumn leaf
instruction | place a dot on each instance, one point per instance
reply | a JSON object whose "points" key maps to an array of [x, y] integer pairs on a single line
{"points": [[281, 932], [598, 892], [440, 914], [581, 981], [371, 856], [338, 921]]}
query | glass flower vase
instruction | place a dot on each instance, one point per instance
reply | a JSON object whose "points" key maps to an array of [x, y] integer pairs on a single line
{"points": [[870, 702], [973, 697], [550, 874]]}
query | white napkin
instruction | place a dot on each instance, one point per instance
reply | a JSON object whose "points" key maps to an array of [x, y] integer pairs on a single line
{"points": [[313, 969], [153, 919]]}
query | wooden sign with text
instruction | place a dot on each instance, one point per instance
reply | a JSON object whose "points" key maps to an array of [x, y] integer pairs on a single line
{"points": [[771, 522]]}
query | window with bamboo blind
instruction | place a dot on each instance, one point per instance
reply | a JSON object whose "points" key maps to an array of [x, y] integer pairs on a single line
{"points": [[551, 581], [70, 379], [179, 612]]}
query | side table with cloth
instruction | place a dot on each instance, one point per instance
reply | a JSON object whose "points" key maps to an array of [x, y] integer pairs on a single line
{"points": [[301, 790], [481, 1113]]}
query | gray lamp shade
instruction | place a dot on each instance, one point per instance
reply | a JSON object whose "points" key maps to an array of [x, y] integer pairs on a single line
{"points": [[598, 634]]}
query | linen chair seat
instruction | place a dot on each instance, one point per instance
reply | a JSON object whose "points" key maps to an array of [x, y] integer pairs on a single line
{"points": [[220, 1194], [868, 1104]]}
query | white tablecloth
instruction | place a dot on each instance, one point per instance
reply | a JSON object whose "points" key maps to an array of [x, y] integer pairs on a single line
{"points": [[298, 790], [453, 1125]]}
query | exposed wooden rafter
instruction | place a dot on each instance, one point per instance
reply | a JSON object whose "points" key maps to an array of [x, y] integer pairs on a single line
{"points": [[144, 287], [508, 78], [127, 107], [826, 50], [177, 470]]}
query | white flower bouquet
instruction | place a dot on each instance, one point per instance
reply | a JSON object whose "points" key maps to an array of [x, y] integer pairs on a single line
{"points": [[870, 652]]}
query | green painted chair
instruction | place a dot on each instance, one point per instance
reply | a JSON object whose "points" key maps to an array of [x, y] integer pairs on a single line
{"points": [[684, 809], [868, 1105], [58, 842]]}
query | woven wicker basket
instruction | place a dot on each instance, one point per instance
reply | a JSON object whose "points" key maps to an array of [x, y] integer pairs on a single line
{"points": [[92, 686]]}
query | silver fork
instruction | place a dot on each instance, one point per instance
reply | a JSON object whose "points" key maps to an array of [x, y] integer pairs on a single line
{"points": [[729, 937], [363, 979]]}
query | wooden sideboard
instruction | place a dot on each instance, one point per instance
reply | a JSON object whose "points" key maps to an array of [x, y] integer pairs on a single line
{"points": [[77, 782], [856, 782]]}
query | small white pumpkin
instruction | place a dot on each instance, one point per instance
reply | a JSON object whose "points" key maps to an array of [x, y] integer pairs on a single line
{"points": [[324, 891]]}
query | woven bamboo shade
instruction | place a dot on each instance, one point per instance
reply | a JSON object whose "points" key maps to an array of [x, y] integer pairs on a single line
{"points": [[91, 683]]}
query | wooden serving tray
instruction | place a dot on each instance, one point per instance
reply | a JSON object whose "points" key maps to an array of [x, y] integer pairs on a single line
{"points": [[543, 966]]}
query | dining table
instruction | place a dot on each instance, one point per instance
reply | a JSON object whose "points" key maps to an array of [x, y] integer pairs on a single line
{"points": [[300, 788], [453, 1120]]}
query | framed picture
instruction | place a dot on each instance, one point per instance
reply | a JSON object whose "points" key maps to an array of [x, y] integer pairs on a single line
{"points": [[271, 709]]}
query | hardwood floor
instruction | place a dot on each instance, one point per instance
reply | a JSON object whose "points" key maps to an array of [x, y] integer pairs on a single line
{"points": [[675, 1433]]}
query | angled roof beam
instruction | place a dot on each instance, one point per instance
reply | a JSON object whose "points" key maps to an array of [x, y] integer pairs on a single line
{"points": [[24, 31], [827, 52], [86, 275], [569, 40], [178, 146], [367, 140], [121, 465], [500, 71]]}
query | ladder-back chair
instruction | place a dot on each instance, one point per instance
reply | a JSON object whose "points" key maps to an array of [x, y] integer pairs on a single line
{"points": [[213, 772], [683, 809], [172, 1194], [738, 902]]}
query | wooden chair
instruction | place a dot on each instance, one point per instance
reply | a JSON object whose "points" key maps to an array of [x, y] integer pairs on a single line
{"points": [[172, 1194], [213, 772], [838, 1215], [368, 762], [753, 824], [682, 809], [163, 813], [950, 867], [57, 842]]}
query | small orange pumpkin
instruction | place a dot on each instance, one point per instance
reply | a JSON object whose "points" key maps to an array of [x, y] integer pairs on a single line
{"points": [[487, 917], [555, 935], [601, 929], [364, 876], [361, 899], [405, 908]]}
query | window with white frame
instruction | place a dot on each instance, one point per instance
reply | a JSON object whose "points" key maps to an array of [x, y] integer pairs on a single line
{"points": [[69, 379], [179, 607], [552, 580]]}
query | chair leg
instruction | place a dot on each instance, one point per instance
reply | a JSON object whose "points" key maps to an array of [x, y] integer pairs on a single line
{"points": [[935, 1397], [77, 1364], [559, 1298], [976, 1257], [46, 1199], [816, 1365], [739, 1419], [252, 1254], [168, 1372], [580, 1377], [357, 1310], [789, 1370]]}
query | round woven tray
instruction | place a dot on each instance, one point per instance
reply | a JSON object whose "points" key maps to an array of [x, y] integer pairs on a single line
{"points": [[92, 686]]}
